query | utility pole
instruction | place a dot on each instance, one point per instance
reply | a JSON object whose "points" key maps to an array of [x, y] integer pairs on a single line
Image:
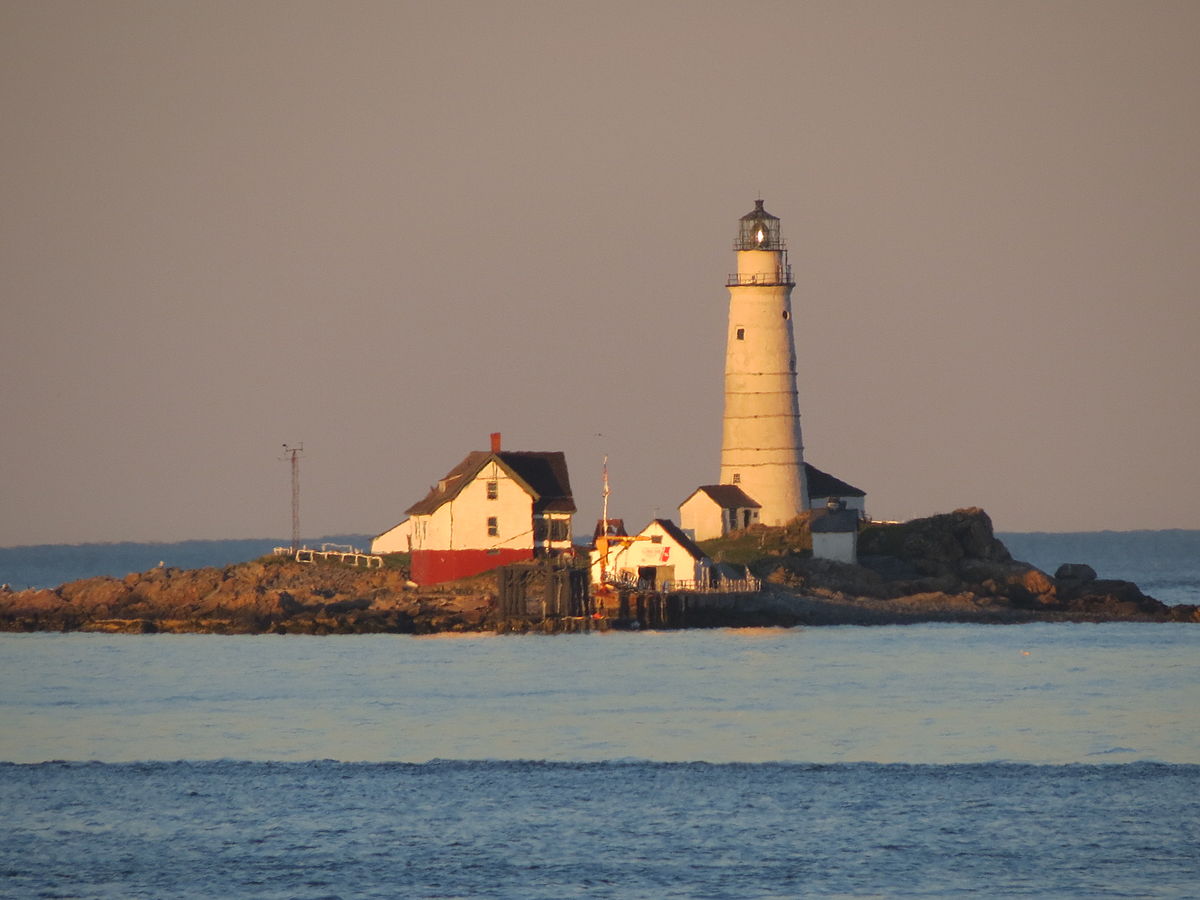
{"points": [[293, 454]]}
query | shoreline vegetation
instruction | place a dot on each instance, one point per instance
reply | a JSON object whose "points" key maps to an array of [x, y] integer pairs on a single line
{"points": [[945, 568]]}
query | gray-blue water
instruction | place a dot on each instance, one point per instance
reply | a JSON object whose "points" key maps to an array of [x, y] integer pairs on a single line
{"points": [[552, 830], [929, 761]]}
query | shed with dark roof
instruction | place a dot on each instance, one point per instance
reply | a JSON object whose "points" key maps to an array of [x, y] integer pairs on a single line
{"points": [[716, 509], [835, 532], [713, 510]]}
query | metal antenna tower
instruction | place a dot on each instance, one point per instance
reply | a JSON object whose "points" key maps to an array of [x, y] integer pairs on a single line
{"points": [[293, 454]]}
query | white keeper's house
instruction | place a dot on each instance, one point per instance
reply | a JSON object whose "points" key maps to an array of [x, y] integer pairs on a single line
{"points": [[494, 508]]}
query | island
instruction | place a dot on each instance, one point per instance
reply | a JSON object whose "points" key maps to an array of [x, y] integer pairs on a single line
{"points": [[944, 568]]}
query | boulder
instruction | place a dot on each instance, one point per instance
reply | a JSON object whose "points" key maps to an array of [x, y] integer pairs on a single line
{"points": [[1081, 573], [1024, 585], [1112, 597], [33, 601], [938, 544], [950, 537]]}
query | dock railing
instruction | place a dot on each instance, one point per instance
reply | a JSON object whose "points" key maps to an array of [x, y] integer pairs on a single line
{"points": [[749, 585]]}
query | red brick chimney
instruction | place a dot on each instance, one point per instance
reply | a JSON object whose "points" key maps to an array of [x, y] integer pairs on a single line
{"points": [[495, 442]]}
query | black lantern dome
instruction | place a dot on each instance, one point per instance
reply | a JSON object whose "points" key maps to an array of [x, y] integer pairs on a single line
{"points": [[759, 230]]}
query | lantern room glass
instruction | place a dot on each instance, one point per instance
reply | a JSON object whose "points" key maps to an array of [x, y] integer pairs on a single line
{"points": [[759, 230]]}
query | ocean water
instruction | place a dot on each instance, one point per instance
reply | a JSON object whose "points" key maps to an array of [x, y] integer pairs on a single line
{"points": [[926, 760], [533, 830], [938, 693], [901, 761]]}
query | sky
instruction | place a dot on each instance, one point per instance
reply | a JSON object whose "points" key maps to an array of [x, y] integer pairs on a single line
{"points": [[386, 230]]}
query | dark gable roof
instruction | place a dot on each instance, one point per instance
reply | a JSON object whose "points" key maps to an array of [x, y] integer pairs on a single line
{"points": [[822, 484], [616, 528], [729, 496], [543, 473], [450, 485], [679, 537]]}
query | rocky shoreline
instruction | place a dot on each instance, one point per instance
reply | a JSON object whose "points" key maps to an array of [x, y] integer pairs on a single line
{"points": [[947, 568], [270, 595], [952, 568]]}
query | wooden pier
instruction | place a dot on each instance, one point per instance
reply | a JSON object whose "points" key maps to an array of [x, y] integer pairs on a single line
{"points": [[544, 597]]}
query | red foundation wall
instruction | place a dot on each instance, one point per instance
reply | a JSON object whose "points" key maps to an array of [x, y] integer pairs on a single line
{"points": [[436, 566]]}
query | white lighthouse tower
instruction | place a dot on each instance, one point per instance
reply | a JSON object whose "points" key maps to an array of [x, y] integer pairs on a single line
{"points": [[761, 449]]}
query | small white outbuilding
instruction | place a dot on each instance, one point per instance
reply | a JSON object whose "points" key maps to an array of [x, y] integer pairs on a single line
{"points": [[835, 533], [716, 509], [713, 510], [659, 557]]}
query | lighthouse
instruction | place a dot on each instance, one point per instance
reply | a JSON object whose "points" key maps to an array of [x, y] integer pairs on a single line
{"points": [[761, 449]]}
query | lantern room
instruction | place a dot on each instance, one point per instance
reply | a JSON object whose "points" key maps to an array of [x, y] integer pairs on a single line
{"points": [[759, 230]]}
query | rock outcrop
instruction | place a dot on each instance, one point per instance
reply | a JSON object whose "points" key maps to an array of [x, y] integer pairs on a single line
{"points": [[952, 566], [275, 594]]}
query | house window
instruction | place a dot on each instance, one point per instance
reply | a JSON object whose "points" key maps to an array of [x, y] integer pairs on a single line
{"points": [[493, 490], [737, 478], [551, 530], [493, 526], [786, 315], [741, 334]]}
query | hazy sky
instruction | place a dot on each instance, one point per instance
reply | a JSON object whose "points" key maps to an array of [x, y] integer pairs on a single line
{"points": [[388, 229]]}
